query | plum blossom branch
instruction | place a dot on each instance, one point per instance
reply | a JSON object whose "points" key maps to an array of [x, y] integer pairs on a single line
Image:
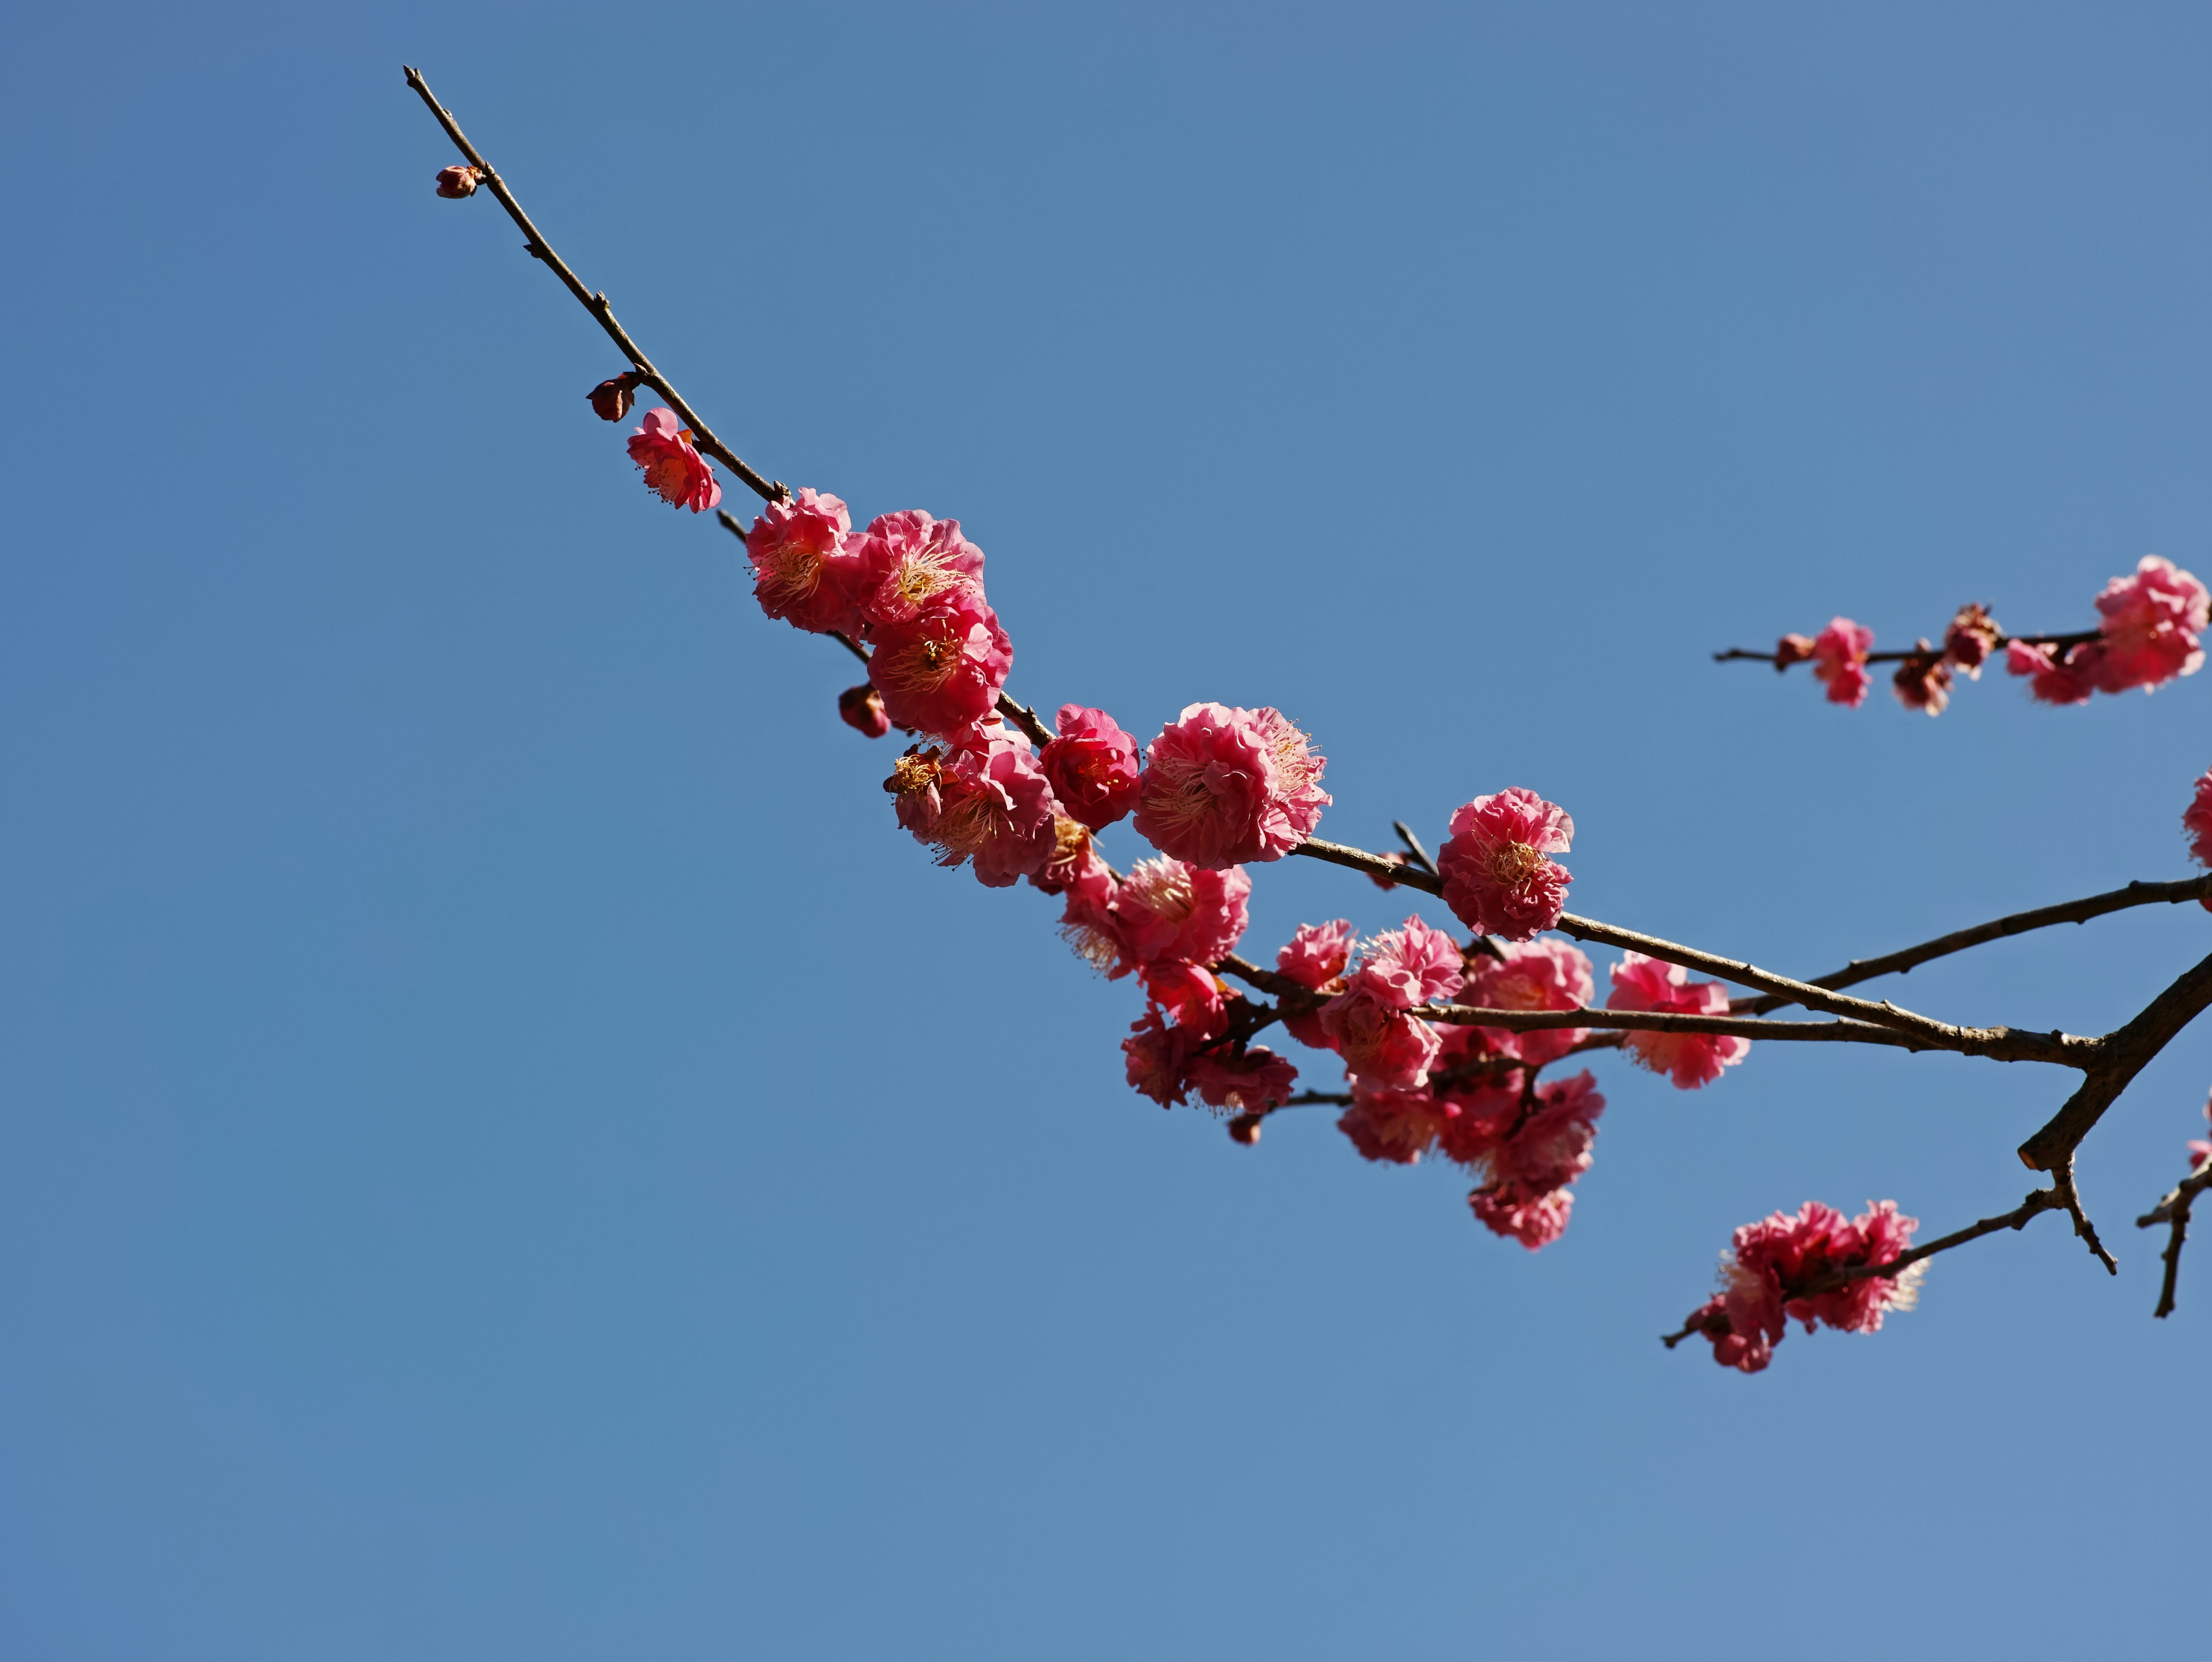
{"points": [[2172, 1210], [596, 304], [1783, 660], [2119, 1056], [1663, 1022], [2070, 911]]}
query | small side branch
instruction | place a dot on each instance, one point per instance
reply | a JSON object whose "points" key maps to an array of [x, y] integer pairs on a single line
{"points": [[2062, 642], [2119, 1056], [2173, 1212], [596, 304]]}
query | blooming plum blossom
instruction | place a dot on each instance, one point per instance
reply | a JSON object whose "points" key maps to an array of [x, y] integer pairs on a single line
{"points": [[1090, 921], [1223, 786], [1971, 637], [1531, 1162], [1391, 1126], [941, 671], [1156, 1058], [2057, 681], [1255, 1082], [1092, 766], [988, 805], [674, 470], [1167, 909], [1315, 958], [805, 569], [1073, 855], [907, 559], [1367, 1023], [862, 709], [1497, 879], [1191, 995], [2196, 820], [1839, 652], [2151, 625], [1774, 1269], [1534, 975], [1923, 681], [1691, 1059]]}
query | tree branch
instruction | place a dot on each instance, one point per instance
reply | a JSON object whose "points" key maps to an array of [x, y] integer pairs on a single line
{"points": [[2119, 1056], [1735, 654], [2173, 1211], [596, 304], [2070, 912]]}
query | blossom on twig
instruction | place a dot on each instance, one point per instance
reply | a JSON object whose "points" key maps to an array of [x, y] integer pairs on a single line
{"points": [[674, 470], [1223, 786], [1690, 1059], [1496, 878]]}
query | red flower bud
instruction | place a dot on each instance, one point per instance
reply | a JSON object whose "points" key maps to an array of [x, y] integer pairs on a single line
{"points": [[1792, 649], [862, 709], [611, 400], [458, 181], [1245, 1128]]}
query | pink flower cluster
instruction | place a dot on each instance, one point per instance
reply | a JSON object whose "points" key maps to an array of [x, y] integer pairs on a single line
{"points": [[1368, 1024], [1497, 878], [1224, 787], [1690, 1059], [2149, 634], [1782, 1267]]}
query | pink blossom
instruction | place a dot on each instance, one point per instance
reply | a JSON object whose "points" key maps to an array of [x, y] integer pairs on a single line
{"points": [[2151, 625], [2199, 1149], [1395, 1126], [1366, 1024], [1497, 879], [1156, 1058], [1924, 681], [2196, 820], [1531, 1167], [908, 560], [1255, 1082], [1092, 766], [862, 709], [1775, 1268], [1536, 975], [1692, 1059], [1972, 635], [941, 671], [1191, 995], [988, 804], [1840, 654], [2056, 682], [1073, 857], [1090, 922], [1381, 1044], [1314, 959], [1223, 786], [674, 470], [805, 568], [1165, 909]]}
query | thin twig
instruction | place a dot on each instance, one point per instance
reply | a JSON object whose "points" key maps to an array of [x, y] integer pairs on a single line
{"points": [[596, 304], [1736, 655], [1669, 1021], [1414, 849], [2070, 912], [2173, 1211]]}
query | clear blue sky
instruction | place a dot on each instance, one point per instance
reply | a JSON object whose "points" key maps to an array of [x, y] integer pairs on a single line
{"points": [[505, 1150]]}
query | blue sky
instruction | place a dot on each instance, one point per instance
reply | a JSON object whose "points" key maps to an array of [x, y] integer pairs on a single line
{"points": [[504, 1149]]}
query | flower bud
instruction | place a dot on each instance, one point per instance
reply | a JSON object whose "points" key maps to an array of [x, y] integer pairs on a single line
{"points": [[611, 400], [1972, 635], [1792, 649], [1245, 1128], [861, 708], [458, 181]]}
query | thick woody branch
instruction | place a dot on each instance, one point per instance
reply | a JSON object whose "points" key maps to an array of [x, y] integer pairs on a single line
{"points": [[596, 304], [2173, 1212], [2070, 912], [2119, 1056]]}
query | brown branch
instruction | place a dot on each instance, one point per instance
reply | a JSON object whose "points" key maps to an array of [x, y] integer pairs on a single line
{"points": [[2039, 1201], [1669, 1021], [1418, 855], [1343, 854], [1311, 1099], [2070, 912], [2119, 1057], [1735, 654], [2173, 1211], [596, 304]]}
